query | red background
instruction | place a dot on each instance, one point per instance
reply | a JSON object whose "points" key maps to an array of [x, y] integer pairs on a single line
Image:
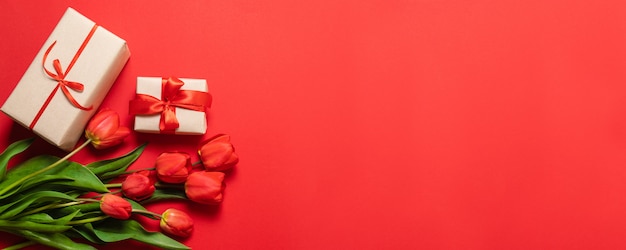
{"points": [[376, 124]]}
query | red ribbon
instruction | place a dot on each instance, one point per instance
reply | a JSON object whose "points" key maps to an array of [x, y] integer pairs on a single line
{"points": [[59, 77], [171, 98]]}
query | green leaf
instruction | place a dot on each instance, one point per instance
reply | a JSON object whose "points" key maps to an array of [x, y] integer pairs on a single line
{"points": [[44, 179], [16, 207], [56, 240], [47, 219], [75, 193], [84, 208], [38, 185], [99, 215], [112, 230], [76, 176], [33, 226], [82, 178], [156, 239], [166, 194], [135, 205], [112, 167], [65, 219], [88, 215], [20, 245], [116, 230], [29, 166], [38, 218], [85, 231], [12, 150]]}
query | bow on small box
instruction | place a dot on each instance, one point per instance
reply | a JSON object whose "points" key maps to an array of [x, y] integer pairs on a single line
{"points": [[172, 97]]}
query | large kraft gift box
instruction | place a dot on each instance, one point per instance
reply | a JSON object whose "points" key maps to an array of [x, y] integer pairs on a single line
{"points": [[68, 79]]}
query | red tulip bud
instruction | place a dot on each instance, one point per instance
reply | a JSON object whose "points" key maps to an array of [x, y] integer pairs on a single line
{"points": [[104, 129], [217, 153], [115, 206], [205, 187], [138, 186], [150, 174], [176, 222], [173, 167]]}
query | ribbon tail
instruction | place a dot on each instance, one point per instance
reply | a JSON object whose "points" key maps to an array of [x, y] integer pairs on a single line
{"points": [[72, 100], [79, 87], [169, 122]]}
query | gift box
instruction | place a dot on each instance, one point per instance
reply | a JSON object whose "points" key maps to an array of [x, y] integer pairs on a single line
{"points": [[170, 105], [68, 79]]}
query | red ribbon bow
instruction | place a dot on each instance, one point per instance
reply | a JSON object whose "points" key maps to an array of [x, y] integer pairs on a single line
{"points": [[171, 98], [59, 77], [61, 82]]}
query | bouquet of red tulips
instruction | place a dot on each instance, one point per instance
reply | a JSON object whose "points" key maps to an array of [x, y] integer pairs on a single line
{"points": [[62, 204]]}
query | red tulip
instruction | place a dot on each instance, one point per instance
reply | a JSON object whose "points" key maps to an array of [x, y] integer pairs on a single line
{"points": [[138, 186], [104, 129], [218, 154], [205, 187], [176, 222], [173, 167], [115, 206]]}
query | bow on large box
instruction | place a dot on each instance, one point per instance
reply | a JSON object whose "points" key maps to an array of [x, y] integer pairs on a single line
{"points": [[172, 97], [59, 77]]}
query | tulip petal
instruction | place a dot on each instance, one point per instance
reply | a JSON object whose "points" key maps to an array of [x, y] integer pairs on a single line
{"points": [[218, 154], [106, 125], [205, 187], [115, 206], [221, 138], [138, 187], [176, 222], [173, 167], [104, 129]]}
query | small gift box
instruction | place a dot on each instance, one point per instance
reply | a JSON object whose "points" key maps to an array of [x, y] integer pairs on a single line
{"points": [[67, 80], [170, 105]]}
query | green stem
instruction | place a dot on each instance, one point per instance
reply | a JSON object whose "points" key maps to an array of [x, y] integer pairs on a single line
{"points": [[50, 206], [113, 185], [197, 163], [43, 170], [158, 216], [89, 220], [20, 245], [88, 199], [137, 170]]}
